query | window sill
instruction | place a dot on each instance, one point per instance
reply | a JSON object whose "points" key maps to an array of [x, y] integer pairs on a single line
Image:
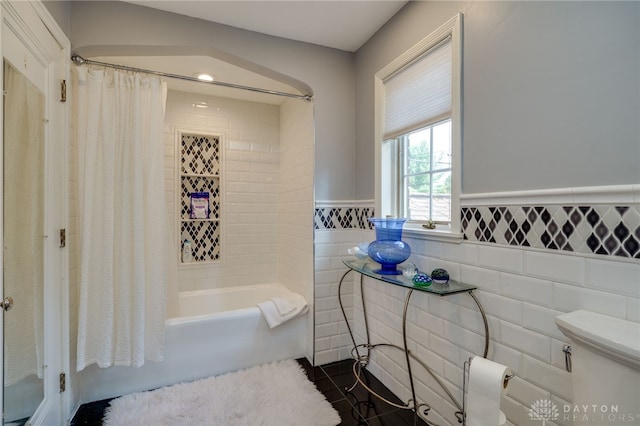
{"points": [[417, 231]]}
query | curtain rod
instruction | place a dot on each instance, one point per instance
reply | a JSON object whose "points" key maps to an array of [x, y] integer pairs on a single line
{"points": [[79, 60]]}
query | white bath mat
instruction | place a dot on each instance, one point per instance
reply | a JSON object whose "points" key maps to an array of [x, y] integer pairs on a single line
{"points": [[275, 394]]}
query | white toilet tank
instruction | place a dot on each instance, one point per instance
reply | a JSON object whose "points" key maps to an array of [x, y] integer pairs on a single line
{"points": [[605, 368]]}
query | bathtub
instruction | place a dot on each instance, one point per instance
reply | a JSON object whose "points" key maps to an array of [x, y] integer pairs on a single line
{"points": [[201, 303], [217, 331]]}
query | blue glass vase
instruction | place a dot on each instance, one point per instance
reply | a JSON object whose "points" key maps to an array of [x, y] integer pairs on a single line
{"points": [[388, 249]]}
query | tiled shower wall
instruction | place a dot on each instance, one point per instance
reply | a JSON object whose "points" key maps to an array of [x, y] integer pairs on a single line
{"points": [[522, 288], [250, 186], [295, 250]]}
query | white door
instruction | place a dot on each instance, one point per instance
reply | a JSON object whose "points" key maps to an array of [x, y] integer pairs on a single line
{"points": [[33, 213]]}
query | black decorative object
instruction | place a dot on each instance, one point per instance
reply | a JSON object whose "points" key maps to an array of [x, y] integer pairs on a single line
{"points": [[440, 275]]}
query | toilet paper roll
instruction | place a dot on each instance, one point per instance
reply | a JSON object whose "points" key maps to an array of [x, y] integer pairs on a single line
{"points": [[486, 387]]}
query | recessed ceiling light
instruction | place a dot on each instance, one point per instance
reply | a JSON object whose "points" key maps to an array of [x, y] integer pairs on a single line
{"points": [[204, 77]]}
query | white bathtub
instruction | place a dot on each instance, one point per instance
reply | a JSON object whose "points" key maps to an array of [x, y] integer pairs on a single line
{"points": [[218, 331], [200, 303]]}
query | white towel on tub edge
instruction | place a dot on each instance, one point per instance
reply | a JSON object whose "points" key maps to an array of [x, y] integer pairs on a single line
{"points": [[278, 310]]}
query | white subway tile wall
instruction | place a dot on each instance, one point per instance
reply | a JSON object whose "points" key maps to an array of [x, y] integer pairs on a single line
{"points": [[332, 342], [296, 203], [522, 290], [250, 186]]}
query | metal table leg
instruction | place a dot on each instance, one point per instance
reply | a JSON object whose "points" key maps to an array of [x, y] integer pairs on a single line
{"points": [[486, 324], [362, 360]]}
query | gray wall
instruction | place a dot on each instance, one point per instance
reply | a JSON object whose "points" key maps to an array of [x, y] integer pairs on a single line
{"points": [[110, 28], [60, 12], [551, 89], [551, 92]]}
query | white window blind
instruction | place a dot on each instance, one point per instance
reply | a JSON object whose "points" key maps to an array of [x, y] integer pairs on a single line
{"points": [[419, 94]]}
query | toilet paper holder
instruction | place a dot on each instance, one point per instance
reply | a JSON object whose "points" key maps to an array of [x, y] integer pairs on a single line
{"points": [[460, 415]]}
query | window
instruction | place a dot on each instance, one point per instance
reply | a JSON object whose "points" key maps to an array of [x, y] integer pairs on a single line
{"points": [[418, 124], [425, 173]]}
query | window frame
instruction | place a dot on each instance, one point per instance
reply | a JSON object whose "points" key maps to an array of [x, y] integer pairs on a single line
{"points": [[387, 183]]}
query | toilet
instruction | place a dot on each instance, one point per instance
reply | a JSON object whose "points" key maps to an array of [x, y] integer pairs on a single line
{"points": [[605, 359]]}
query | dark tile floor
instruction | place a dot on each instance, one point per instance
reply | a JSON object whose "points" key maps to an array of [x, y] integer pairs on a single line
{"points": [[356, 408], [359, 407]]}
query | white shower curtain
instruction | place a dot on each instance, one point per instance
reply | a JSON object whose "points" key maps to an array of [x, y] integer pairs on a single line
{"points": [[122, 218]]}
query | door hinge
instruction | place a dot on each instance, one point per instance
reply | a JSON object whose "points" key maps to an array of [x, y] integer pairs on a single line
{"points": [[63, 91], [63, 238], [63, 382]]}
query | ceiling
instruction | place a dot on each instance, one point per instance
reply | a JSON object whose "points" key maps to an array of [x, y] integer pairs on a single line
{"points": [[340, 24], [335, 24]]}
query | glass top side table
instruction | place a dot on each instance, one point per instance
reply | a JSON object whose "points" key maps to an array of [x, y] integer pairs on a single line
{"points": [[366, 268]]}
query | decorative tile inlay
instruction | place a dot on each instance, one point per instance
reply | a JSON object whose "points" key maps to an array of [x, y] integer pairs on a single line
{"points": [[343, 217], [200, 154], [608, 230], [596, 229], [205, 237], [200, 169], [200, 184]]}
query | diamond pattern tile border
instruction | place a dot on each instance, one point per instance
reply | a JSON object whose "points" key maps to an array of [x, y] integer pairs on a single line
{"points": [[343, 217], [610, 230]]}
